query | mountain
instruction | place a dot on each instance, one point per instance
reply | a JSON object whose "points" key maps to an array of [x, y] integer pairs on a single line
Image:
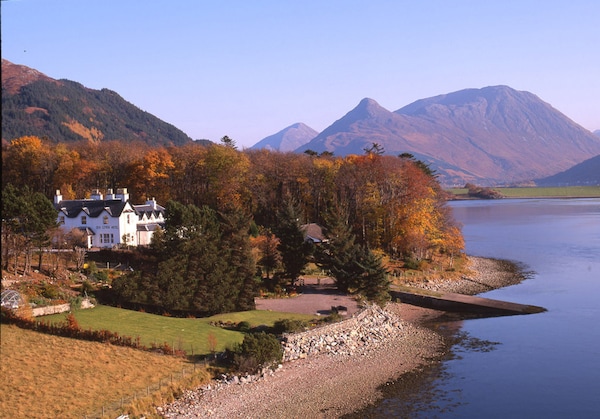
{"points": [[585, 173], [288, 139], [493, 135], [66, 111], [597, 132]]}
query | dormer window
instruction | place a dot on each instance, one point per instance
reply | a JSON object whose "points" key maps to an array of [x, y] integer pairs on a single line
{"points": [[83, 219], [105, 219]]}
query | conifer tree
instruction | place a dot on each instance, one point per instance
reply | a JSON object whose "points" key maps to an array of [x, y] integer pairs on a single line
{"points": [[372, 277], [294, 249], [337, 254]]}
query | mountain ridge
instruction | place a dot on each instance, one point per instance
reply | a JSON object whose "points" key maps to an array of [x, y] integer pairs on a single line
{"points": [[65, 110], [493, 135]]}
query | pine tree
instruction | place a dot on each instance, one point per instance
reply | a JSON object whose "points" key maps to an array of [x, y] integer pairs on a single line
{"points": [[373, 280], [337, 254], [236, 242], [294, 249]]}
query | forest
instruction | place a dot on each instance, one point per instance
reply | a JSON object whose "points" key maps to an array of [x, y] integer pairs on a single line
{"points": [[371, 205]]}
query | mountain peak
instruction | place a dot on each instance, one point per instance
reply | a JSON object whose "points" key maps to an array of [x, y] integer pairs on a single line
{"points": [[490, 135], [15, 76], [288, 139]]}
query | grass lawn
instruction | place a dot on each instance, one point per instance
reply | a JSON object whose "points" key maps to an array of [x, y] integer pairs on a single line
{"points": [[568, 191], [46, 376], [559, 192], [188, 334]]}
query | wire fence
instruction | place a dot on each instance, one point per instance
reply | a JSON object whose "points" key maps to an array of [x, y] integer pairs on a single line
{"points": [[115, 409]]}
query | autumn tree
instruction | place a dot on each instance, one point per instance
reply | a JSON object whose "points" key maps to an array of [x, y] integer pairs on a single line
{"points": [[268, 255]]}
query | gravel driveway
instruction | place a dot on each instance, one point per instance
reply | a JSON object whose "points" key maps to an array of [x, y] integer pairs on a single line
{"points": [[317, 296]]}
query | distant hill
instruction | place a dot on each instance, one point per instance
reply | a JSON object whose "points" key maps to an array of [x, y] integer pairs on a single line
{"points": [[288, 139], [597, 132], [66, 111], [493, 135], [585, 173]]}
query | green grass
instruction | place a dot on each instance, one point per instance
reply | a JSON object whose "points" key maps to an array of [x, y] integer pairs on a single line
{"points": [[559, 192], [188, 334], [569, 191]]}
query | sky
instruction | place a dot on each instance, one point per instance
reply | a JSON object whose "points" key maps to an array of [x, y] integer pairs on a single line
{"points": [[248, 69]]}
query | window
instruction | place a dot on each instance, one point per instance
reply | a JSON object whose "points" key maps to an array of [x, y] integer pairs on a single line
{"points": [[83, 219], [105, 219], [61, 220], [128, 218], [107, 238]]}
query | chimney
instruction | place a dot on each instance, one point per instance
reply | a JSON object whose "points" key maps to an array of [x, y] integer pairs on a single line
{"points": [[57, 197], [96, 195], [122, 194], [151, 202], [110, 194]]}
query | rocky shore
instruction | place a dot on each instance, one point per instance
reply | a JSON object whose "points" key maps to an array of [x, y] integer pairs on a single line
{"points": [[340, 370]]}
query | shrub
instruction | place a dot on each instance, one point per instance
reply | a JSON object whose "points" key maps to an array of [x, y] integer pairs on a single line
{"points": [[256, 351], [243, 326], [288, 326]]}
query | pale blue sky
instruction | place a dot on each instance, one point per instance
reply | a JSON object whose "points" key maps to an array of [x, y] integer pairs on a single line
{"points": [[249, 68]]}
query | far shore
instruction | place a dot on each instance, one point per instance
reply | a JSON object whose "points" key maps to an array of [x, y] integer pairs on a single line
{"points": [[327, 386]]}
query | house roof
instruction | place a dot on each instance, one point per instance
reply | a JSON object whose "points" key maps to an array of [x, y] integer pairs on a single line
{"points": [[149, 227], [91, 207], [313, 232], [149, 210]]}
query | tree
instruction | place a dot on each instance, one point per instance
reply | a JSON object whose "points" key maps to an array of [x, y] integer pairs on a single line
{"points": [[294, 249], [236, 243], [203, 264], [268, 257], [228, 142], [337, 254], [27, 219], [372, 278]]}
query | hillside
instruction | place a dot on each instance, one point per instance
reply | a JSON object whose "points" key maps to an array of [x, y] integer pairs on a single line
{"points": [[288, 139], [494, 135], [66, 111], [585, 173]]}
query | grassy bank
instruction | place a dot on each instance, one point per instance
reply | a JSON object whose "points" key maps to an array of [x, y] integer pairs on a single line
{"points": [[549, 192], [46, 376], [195, 336]]}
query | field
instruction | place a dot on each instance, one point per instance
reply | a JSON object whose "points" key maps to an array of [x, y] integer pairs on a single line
{"points": [[550, 192], [188, 334], [46, 376]]}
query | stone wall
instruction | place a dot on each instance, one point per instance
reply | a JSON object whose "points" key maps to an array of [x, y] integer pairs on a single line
{"points": [[60, 308], [356, 335]]}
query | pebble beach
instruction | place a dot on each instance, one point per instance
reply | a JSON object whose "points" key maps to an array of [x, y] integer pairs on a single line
{"points": [[331, 385]]}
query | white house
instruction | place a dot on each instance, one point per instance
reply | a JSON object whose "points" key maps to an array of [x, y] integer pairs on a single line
{"points": [[112, 220]]}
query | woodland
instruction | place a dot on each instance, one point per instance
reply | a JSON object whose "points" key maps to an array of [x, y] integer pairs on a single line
{"points": [[234, 216]]}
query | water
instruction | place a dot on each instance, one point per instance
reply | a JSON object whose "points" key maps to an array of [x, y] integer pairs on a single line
{"points": [[537, 366]]}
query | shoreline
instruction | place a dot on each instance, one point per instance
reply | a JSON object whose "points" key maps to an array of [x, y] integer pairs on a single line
{"points": [[329, 386]]}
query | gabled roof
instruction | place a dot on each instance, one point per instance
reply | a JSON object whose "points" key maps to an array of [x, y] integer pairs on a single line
{"points": [[91, 207], [313, 232], [149, 210]]}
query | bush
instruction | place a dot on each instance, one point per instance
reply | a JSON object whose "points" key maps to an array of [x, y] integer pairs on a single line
{"points": [[256, 351], [288, 326], [243, 326]]}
